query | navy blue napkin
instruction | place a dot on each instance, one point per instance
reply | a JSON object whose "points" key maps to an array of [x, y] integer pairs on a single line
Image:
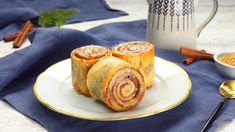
{"points": [[19, 70], [13, 12]]}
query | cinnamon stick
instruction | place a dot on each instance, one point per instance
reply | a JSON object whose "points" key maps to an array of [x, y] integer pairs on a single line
{"points": [[10, 37], [190, 60], [195, 53], [22, 35], [19, 35]]}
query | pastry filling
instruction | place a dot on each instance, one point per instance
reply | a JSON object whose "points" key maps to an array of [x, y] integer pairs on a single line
{"points": [[134, 47], [126, 88], [91, 52]]}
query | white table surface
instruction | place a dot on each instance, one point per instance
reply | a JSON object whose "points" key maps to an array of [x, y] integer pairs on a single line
{"points": [[217, 36]]}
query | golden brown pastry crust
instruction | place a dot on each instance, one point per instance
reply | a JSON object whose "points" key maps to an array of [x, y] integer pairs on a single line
{"points": [[83, 59], [139, 54], [117, 83]]}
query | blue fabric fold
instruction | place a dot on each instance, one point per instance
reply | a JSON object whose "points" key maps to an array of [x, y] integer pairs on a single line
{"points": [[12, 18], [19, 70], [14, 12]]}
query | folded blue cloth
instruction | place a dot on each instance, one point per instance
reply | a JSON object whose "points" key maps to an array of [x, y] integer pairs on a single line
{"points": [[19, 70], [12, 12]]}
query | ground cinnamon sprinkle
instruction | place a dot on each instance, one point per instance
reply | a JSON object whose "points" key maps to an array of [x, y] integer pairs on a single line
{"points": [[228, 59]]}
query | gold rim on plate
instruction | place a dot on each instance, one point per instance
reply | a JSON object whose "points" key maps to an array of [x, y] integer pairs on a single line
{"points": [[113, 118]]}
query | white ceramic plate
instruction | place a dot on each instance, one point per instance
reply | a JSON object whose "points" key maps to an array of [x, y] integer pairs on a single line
{"points": [[53, 89]]}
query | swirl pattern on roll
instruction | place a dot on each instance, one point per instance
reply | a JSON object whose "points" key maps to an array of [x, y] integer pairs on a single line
{"points": [[117, 83], [139, 54], [83, 59]]}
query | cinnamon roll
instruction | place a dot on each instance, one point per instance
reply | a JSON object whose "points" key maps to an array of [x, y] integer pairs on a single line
{"points": [[83, 59], [117, 83], [139, 54]]}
